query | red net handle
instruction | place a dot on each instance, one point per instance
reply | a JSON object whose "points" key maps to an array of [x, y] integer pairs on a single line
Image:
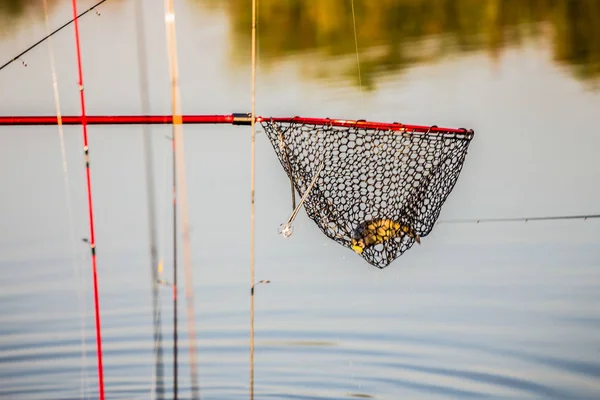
{"points": [[118, 120], [235, 119]]}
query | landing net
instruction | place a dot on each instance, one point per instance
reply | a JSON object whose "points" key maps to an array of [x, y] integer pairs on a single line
{"points": [[375, 188]]}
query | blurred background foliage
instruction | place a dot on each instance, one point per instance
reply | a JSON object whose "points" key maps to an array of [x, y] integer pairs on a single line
{"points": [[14, 12], [394, 34]]}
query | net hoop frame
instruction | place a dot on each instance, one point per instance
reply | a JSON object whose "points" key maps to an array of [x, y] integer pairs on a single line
{"points": [[364, 124]]}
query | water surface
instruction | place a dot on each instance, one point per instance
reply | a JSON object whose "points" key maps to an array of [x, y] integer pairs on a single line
{"points": [[502, 311]]}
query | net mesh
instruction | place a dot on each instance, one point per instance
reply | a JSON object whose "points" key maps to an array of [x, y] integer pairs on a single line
{"points": [[377, 190]]}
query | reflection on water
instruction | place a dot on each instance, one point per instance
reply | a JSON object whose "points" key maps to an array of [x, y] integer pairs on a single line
{"points": [[13, 11], [14, 7], [385, 350], [395, 34]]}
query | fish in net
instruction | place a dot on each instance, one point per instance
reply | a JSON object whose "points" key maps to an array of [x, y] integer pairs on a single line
{"points": [[372, 187]]}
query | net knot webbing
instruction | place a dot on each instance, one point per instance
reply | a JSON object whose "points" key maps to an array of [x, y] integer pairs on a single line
{"points": [[378, 190]]}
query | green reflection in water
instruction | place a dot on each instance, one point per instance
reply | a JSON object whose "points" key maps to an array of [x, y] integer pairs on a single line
{"points": [[15, 12], [13, 7], [395, 34]]}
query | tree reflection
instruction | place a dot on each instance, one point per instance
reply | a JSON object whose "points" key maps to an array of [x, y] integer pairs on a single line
{"points": [[11, 11], [394, 34], [13, 7]]}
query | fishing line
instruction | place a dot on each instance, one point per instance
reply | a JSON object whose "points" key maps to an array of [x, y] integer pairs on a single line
{"points": [[165, 215], [17, 57], [70, 213], [359, 76], [518, 219], [356, 45]]}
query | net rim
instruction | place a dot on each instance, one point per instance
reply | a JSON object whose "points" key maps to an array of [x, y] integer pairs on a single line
{"points": [[394, 126]]}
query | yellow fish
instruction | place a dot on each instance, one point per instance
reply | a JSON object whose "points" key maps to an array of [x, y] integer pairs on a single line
{"points": [[376, 231]]}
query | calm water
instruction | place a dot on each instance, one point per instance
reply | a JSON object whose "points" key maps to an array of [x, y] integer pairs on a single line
{"points": [[506, 311]]}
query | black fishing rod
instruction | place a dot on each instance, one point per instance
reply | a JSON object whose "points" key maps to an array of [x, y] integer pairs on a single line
{"points": [[50, 35], [147, 145]]}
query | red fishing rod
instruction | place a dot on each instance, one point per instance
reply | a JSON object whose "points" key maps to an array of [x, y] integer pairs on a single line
{"points": [[90, 205], [234, 119]]}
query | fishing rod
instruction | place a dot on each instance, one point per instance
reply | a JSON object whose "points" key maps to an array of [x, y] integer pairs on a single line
{"points": [[175, 350], [252, 189], [158, 376], [50, 35], [92, 240], [180, 201]]}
